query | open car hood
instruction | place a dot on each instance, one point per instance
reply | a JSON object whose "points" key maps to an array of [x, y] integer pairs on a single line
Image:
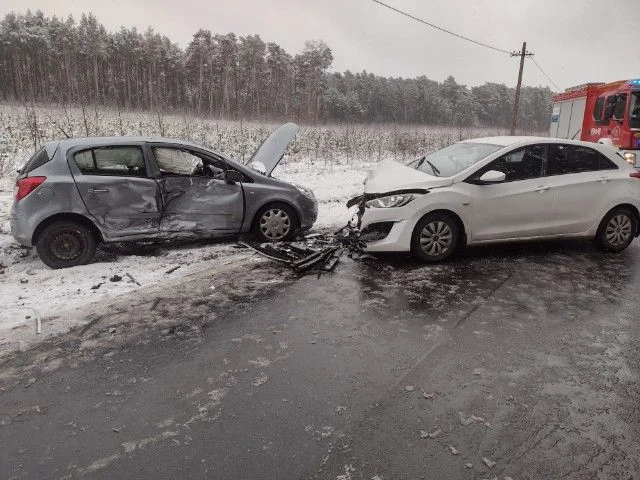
{"points": [[269, 154], [393, 176]]}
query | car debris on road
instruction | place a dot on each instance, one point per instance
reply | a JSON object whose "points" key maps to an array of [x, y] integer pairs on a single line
{"points": [[316, 251]]}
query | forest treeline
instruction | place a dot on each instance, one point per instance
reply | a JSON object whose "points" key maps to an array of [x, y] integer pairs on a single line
{"points": [[53, 60]]}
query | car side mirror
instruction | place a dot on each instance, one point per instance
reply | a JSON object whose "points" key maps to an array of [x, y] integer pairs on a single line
{"points": [[233, 176], [493, 176]]}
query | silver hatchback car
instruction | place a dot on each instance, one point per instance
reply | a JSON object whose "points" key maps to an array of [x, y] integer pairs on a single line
{"points": [[75, 193]]}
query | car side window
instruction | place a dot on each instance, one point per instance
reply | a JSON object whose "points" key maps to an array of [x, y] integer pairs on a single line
{"points": [[566, 159], [521, 164], [84, 161], [177, 161], [122, 161]]}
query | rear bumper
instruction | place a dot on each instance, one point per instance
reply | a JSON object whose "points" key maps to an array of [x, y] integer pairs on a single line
{"points": [[20, 228]]}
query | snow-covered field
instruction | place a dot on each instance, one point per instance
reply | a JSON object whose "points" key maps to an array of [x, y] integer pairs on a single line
{"points": [[331, 160]]}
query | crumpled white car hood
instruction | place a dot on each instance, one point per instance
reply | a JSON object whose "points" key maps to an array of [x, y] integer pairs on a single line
{"points": [[392, 176]]}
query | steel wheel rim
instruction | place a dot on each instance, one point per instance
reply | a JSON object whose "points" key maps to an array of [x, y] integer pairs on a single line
{"points": [[275, 224], [67, 245], [618, 230], [436, 238]]}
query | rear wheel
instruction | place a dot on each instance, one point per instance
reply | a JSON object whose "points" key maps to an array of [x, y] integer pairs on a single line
{"points": [[66, 244], [275, 223], [435, 237], [617, 230]]}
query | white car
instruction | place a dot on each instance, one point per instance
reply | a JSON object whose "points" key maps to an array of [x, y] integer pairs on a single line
{"points": [[500, 189]]}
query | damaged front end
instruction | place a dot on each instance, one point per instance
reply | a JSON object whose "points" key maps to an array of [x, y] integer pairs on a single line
{"points": [[378, 230]]}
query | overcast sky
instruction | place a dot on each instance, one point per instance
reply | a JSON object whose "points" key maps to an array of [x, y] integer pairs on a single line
{"points": [[574, 41]]}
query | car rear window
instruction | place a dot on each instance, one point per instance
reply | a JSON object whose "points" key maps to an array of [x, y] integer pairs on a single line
{"points": [[38, 159], [119, 161], [568, 159]]}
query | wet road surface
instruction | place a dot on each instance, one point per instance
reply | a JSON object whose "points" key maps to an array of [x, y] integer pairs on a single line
{"points": [[516, 361]]}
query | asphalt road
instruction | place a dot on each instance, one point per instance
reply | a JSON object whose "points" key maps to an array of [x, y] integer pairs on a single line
{"points": [[516, 361]]}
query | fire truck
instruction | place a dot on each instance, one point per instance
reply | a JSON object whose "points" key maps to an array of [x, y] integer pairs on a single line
{"points": [[606, 113]]}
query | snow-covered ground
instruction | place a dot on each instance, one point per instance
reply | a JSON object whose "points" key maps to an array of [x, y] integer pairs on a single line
{"points": [[333, 186], [30, 288]]}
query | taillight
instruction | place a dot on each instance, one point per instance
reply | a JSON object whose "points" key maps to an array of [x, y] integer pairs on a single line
{"points": [[26, 185], [635, 175]]}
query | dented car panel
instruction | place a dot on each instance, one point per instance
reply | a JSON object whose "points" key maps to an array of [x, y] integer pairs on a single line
{"points": [[121, 206], [200, 204], [393, 176]]}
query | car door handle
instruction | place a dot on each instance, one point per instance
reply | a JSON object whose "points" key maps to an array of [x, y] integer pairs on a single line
{"points": [[541, 189], [603, 180], [98, 190]]}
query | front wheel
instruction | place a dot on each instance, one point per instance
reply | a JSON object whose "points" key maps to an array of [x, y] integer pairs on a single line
{"points": [[276, 222], [435, 237], [66, 244], [617, 230]]}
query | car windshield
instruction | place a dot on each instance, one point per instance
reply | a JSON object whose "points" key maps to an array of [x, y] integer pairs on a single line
{"points": [[451, 160]]}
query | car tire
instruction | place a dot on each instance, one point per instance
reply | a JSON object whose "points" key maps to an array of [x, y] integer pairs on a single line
{"points": [[65, 244], [435, 237], [617, 230], [276, 222]]}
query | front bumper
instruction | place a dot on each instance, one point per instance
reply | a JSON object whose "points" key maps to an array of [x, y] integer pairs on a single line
{"points": [[395, 241], [308, 212], [399, 237]]}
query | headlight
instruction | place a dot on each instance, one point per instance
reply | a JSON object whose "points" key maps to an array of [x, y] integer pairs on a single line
{"points": [[630, 157], [307, 192], [390, 201]]}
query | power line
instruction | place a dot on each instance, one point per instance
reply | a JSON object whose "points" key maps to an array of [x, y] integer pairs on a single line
{"points": [[440, 28], [540, 68]]}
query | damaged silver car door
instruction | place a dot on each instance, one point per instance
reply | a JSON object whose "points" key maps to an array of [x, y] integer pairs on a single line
{"points": [[195, 195], [114, 186]]}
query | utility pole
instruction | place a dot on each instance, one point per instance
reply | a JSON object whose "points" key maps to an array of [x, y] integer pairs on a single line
{"points": [[516, 103]]}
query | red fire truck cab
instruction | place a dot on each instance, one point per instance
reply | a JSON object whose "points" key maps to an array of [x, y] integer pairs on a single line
{"points": [[603, 113]]}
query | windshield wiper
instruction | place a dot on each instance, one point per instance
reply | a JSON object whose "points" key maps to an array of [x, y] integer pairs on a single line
{"points": [[433, 167]]}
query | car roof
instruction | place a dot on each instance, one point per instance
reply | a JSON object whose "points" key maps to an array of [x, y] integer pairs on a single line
{"points": [[116, 140], [89, 142], [520, 141], [503, 141], [507, 141]]}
